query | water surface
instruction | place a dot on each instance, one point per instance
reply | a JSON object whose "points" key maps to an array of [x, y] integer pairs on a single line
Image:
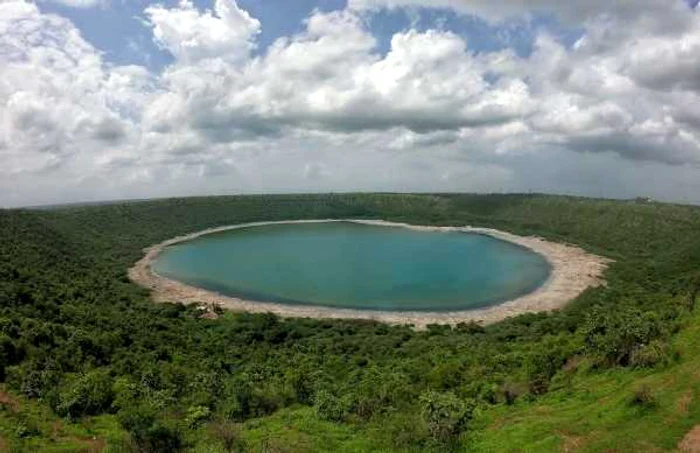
{"points": [[350, 265]]}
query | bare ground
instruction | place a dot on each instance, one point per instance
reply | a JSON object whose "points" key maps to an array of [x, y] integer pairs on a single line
{"points": [[691, 441]]}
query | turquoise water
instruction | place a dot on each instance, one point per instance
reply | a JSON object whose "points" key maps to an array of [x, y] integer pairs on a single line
{"points": [[343, 264]]}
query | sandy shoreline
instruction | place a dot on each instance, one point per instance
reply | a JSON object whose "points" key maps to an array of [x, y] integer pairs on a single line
{"points": [[573, 270]]}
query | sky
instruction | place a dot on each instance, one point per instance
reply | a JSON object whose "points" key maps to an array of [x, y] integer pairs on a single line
{"points": [[124, 99]]}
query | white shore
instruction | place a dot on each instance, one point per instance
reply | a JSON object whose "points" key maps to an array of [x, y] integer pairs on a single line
{"points": [[573, 270]]}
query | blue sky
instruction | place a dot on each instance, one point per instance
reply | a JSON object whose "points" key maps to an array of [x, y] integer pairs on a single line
{"points": [[110, 99]]}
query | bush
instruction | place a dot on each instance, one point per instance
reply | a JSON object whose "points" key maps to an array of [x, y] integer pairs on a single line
{"points": [[302, 386], [87, 394], [7, 354], [243, 400], [615, 334], [230, 435], [196, 415], [26, 429], [331, 407], [33, 379], [651, 355], [404, 431], [511, 391], [542, 365], [147, 433], [471, 327], [445, 414], [378, 391]]}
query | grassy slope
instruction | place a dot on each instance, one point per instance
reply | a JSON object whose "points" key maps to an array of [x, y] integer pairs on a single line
{"points": [[594, 414], [597, 414], [26, 425]]}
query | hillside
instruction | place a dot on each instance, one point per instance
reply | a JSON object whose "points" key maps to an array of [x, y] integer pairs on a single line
{"points": [[88, 361]]}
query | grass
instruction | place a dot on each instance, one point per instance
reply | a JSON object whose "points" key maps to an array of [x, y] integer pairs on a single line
{"points": [[293, 430], [27, 426], [598, 412], [300, 430]]}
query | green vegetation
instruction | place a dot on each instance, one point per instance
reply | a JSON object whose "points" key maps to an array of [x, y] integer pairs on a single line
{"points": [[87, 360]]}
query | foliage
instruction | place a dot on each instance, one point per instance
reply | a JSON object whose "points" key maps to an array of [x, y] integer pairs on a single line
{"points": [[332, 407], [86, 394], [230, 436], [619, 335], [148, 433], [445, 414], [76, 335]]}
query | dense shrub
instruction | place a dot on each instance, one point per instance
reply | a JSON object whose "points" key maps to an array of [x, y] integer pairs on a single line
{"points": [[510, 391], [616, 334], [332, 407], [379, 390], [445, 415], [148, 434], [544, 362], [86, 394], [653, 354]]}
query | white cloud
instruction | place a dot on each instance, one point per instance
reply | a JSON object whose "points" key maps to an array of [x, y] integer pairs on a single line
{"points": [[53, 93], [330, 77], [227, 32], [325, 110]]}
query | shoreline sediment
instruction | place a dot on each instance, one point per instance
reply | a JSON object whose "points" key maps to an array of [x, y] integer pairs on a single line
{"points": [[573, 270]]}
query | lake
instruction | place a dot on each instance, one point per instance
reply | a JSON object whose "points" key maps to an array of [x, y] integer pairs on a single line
{"points": [[351, 265]]}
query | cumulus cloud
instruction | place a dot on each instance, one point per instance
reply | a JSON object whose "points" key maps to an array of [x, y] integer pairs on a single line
{"points": [[54, 94], [226, 32], [331, 77], [324, 109]]}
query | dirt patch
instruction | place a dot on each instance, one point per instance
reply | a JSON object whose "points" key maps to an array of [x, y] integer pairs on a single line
{"points": [[683, 403], [571, 443], [691, 441], [573, 363], [9, 401], [93, 444], [56, 430]]}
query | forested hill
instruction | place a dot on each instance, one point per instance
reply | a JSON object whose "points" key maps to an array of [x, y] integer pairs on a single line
{"points": [[89, 362]]}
